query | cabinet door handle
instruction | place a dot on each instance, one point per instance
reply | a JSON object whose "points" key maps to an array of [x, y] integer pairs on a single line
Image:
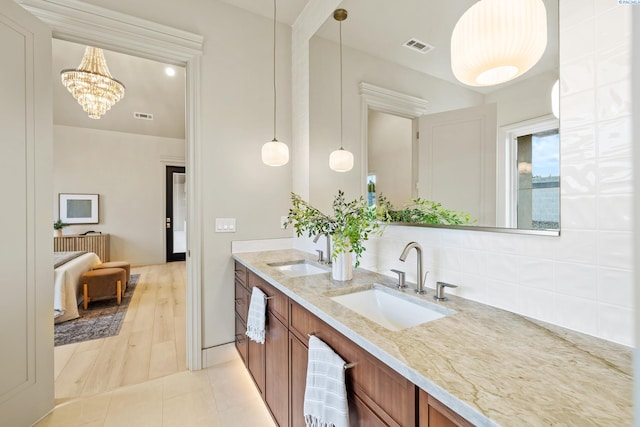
{"points": [[239, 301], [239, 339]]}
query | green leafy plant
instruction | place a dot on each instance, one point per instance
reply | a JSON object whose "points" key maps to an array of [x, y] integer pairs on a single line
{"points": [[59, 225], [350, 224], [422, 211]]}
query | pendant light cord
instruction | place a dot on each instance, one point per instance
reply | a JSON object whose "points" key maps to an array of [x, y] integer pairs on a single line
{"points": [[341, 147], [274, 71]]}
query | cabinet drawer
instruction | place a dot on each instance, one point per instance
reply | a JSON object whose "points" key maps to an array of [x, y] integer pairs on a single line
{"points": [[278, 303], [240, 274], [242, 299], [303, 323]]}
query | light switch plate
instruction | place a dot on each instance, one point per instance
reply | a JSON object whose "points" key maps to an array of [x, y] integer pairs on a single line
{"points": [[225, 225]]}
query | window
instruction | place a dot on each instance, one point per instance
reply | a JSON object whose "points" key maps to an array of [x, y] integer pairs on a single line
{"points": [[538, 183], [530, 177]]}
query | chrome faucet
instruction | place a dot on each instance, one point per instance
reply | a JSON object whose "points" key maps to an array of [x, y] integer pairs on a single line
{"points": [[328, 254], [403, 257]]}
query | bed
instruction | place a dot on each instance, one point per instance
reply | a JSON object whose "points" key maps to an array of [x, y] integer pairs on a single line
{"points": [[68, 268]]}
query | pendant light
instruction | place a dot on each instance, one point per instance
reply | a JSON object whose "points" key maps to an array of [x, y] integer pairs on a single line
{"points": [[341, 160], [498, 40], [274, 152]]}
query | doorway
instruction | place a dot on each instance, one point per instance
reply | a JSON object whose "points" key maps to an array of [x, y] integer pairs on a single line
{"points": [[126, 34], [176, 213]]}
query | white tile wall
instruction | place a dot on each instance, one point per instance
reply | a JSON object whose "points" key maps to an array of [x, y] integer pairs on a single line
{"points": [[581, 280]]}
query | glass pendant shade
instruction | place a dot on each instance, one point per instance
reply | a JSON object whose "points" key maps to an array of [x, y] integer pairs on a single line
{"points": [[275, 153], [555, 99], [91, 83], [498, 40], [341, 160]]}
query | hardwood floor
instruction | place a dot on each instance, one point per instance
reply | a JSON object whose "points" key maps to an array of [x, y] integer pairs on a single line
{"points": [[151, 342]]}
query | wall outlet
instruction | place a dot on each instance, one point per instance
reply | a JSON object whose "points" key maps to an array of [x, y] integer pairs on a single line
{"points": [[225, 225]]}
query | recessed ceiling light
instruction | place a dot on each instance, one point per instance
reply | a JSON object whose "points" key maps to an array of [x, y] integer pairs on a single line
{"points": [[169, 71]]}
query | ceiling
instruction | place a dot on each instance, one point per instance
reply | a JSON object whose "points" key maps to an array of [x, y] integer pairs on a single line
{"points": [[377, 27], [287, 10], [381, 27], [148, 90]]}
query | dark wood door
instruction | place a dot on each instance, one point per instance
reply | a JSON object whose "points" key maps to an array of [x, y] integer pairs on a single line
{"points": [[276, 386], [176, 213]]}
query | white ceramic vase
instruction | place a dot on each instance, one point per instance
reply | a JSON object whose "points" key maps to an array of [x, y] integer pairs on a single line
{"points": [[342, 267]]}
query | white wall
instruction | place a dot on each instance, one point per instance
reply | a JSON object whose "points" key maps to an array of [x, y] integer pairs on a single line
{"points": [[128, 172], [324, 109], [583, 279], [236, 118], [525, 100]]}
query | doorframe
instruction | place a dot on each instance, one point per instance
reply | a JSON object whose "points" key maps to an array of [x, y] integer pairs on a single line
{"points": [[78, 22], [388, 101]]}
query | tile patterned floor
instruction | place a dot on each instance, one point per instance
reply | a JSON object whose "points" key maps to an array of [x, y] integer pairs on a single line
{"points": [[219, 396]]}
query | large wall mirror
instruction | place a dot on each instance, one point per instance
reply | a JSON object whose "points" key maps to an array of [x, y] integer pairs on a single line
{"points": [[417, 132]]}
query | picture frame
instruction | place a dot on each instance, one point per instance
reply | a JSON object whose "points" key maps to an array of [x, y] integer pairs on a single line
{"points": [[78, 208]]}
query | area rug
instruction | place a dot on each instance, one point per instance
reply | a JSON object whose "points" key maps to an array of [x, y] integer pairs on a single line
{"points": [[102, 319]]}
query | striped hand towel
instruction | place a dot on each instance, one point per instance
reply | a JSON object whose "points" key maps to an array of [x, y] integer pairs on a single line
{"points": [[325, 395], [256, 317]]}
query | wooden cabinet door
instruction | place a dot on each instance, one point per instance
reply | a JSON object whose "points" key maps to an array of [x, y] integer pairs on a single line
{"points": [[360, 415], [255, 363], [276, 387], [298, 359], [432, 413], [242, 341]]}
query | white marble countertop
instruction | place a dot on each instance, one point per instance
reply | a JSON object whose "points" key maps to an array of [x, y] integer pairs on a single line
{"points": [[491, 366]]}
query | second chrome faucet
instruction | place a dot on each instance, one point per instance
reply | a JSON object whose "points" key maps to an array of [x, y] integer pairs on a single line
{"points": [[327, 260], [419, 278]]}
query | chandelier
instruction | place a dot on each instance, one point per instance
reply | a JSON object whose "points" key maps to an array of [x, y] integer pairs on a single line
{"points": [[498, 40], [92, 85]]}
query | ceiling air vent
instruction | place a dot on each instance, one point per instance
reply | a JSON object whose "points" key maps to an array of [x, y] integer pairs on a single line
{"points": [[417, 45], [143, 116]]}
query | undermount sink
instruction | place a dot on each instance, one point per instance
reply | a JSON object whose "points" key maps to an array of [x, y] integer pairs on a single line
{"points": [[297, 268], [391, 309]]}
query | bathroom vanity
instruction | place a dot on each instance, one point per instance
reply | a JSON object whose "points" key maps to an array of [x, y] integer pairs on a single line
{"points": [[477, 365]]}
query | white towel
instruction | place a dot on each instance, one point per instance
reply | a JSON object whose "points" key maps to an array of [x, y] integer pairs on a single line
{"points": [[325, 395], [257, 314]]}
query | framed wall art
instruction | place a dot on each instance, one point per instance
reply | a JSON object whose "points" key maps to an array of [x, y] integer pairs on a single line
{"points": [[78, 208]]}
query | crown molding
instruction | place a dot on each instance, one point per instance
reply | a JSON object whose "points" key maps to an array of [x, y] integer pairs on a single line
{"points": [[79, 22]]}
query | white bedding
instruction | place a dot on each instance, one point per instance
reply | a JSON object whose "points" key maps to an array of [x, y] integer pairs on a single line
{"points": [[67, 291]]}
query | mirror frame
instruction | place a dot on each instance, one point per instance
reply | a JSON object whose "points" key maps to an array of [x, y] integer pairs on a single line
{"points": [[309, 21]]}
